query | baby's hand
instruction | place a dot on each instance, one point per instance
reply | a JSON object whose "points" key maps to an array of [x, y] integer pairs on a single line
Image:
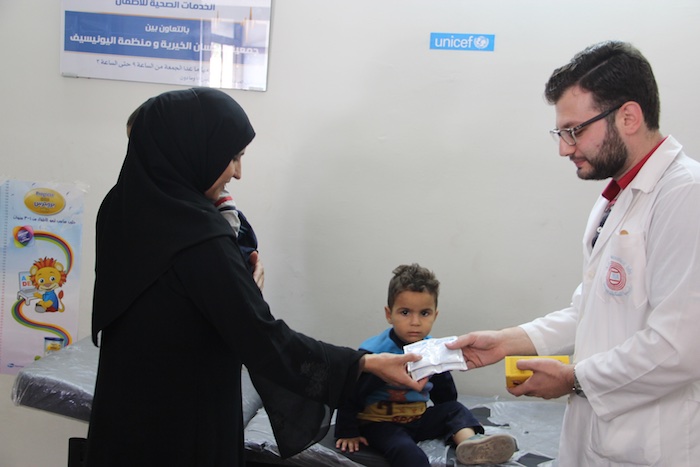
{"points": [[350, 444], [258, 269]]}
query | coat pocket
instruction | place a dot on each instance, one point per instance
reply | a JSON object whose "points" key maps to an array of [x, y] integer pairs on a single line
{"points": [[630, 438], [622, 271]]}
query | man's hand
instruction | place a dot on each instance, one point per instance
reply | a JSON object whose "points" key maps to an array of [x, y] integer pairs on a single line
{"points": [[550, 379], [480, 348], [483, 348], [392, 369], [350, 444]]}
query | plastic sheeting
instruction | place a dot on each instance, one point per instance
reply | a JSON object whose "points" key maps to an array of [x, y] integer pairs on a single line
{"points": [[536, 425], [63, 383]]}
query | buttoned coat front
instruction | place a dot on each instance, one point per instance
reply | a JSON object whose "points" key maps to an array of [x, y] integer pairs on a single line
{"points": [[633, 325]]}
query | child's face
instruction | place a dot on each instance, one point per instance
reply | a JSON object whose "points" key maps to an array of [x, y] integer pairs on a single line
{"points": [[412, 315]]}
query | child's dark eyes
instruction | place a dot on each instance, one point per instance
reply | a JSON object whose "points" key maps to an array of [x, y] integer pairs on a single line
{"points": [[423, 313]]}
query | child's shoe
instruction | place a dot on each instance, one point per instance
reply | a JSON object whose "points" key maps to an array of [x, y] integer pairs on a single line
{"points": [[486, 449]]}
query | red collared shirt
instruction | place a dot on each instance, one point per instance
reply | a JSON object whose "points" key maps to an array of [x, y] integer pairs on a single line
{"points": [[616, 186]]}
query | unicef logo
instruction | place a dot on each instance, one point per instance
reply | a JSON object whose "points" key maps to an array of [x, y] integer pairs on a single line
{"points": [[481, 42], [456, 41]]}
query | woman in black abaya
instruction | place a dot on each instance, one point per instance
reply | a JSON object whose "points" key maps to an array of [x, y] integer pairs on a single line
{"points": [[177, 312]]}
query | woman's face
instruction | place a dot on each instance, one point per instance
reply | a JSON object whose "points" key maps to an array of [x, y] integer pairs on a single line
{"points": [[232, 170]]}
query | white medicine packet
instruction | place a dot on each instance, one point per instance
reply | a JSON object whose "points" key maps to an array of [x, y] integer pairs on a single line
{"points": [[436, 357]]}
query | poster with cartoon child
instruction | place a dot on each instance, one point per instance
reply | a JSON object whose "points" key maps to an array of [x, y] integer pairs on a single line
{"points": [[41, 227]]}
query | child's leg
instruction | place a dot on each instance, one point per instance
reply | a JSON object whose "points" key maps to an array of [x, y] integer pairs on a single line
{"points": [[473, 447], [463, 435], [480, 448], [486, 449], [395, 443], [448, 420]]}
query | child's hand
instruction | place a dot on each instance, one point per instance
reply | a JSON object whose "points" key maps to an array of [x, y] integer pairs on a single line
{"points": [[350, 444]]}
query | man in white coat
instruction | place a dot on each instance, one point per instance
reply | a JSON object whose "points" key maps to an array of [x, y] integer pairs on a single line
{"points": [[632, 327]]}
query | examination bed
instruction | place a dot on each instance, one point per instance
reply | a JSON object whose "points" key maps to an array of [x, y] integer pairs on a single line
{"points": [[63, 383]]}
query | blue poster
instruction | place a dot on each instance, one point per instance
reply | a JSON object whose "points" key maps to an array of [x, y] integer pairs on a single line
{"points": [[221, 45]]}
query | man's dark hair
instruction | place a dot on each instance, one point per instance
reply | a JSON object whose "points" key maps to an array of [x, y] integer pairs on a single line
{"points": [[615, 72]]}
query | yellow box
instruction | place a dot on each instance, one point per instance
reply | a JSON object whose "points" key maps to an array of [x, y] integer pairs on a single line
{"points": [[515, 376]]}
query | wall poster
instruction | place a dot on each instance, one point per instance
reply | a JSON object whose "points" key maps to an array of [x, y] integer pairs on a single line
{"points": [[41, 226], [222, 44]]}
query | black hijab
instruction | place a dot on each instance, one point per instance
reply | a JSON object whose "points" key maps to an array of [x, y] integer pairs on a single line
{"points": [[180, 143]]}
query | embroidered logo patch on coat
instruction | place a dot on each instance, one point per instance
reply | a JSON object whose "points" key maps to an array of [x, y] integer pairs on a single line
{"points": [[616, 278]]}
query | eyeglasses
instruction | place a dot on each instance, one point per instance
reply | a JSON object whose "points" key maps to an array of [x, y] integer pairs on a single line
{"points": [[569, 134]]}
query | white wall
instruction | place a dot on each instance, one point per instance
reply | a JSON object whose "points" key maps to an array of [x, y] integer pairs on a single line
{"points": [[372, 151]]}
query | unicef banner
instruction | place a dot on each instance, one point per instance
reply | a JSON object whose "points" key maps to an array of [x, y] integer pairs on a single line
{"points": [[41, 225], [222, 44]]}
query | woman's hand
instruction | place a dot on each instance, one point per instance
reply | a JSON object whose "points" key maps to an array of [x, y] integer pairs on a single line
{"points": [[392, 369]]}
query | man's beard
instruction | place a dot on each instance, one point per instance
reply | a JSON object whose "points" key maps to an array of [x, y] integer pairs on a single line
{"points": [[611, 158]]}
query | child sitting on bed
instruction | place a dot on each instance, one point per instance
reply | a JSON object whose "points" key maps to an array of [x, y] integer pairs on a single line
{"points": [[393, 419]]}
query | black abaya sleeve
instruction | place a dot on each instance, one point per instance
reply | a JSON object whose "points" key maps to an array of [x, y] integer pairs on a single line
{"points": [[300, 380]]}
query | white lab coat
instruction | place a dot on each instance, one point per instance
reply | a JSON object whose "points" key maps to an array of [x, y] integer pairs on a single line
{"points": [[635, 325]]}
